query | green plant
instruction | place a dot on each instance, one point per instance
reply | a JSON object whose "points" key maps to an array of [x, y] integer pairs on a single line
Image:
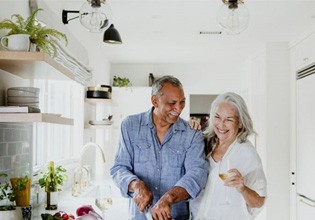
{"points": [[39, 35], [60, 176], [121, 82], [7, 195]]}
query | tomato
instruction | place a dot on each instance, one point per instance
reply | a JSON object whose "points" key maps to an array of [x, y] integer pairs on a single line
{"points": [[65, 216], [57, 214]]}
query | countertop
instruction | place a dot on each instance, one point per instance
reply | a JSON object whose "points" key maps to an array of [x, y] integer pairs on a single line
{"points": [[69, 204]]}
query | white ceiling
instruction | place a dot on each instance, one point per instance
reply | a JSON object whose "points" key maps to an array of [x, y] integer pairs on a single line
{"points": [[167, 31]]}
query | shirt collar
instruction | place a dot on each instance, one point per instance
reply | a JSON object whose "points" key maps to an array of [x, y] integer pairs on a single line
{"points": [[177, 126]]}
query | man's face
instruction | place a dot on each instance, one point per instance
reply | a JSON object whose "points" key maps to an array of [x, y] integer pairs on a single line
{"points": [[170, 104]]}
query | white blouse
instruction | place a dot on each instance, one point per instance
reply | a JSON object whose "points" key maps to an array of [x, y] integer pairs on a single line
{"points": [[219, 202]]}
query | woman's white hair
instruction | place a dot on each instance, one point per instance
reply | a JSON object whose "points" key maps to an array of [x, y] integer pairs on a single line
{"points": [[246, 128]]}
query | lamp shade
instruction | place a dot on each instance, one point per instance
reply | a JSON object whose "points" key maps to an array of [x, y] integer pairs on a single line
{"points": [[112, 36], [233, 16]]}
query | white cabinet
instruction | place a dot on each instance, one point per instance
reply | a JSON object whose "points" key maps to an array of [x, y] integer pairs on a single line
{"points": [[305, 209], [304, 52], [305, 136]]}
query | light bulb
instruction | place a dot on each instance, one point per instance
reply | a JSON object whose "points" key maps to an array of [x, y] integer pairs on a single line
{"points": [[233, 18], [233, 21], [94, 18]]}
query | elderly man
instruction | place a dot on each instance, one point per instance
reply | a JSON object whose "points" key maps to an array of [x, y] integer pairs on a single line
{"points": [[160, 163]]}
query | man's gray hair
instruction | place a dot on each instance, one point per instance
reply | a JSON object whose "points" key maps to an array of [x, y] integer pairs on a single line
{"points": [[160, 82]]}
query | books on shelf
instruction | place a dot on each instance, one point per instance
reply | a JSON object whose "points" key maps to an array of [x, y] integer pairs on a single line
{"points": [[19, 109]]}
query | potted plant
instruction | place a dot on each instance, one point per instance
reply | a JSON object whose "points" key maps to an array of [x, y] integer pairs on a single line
{"points": [[60, 175], [52, 178], [39, 35], [121, 82], [9, 195], [22, 189]]}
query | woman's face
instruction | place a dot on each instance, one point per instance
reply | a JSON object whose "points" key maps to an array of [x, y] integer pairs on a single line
{"points": [[226, 122]]}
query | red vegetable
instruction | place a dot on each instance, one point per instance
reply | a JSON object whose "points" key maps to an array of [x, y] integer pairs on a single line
{"points": [[57, 214], [87, 209], [65, 217]]}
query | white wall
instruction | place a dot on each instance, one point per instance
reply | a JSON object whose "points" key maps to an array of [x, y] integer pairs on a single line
{"points": [[209, 78], [270, 90]]}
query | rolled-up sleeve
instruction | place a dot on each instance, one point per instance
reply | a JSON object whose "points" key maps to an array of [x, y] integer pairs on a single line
{"points": [[121, 171], [196, 167]]}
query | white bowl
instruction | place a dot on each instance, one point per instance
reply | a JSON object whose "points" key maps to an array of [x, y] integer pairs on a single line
{"points": [[14, 92], [35, 104], [26, 89], [23, 99]]}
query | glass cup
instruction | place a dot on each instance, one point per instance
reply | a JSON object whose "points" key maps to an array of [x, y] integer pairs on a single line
{"points": [[224, 167], [104, 200]]}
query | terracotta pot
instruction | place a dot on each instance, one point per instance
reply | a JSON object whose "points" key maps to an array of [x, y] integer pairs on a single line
{"points": [[23, 197]]}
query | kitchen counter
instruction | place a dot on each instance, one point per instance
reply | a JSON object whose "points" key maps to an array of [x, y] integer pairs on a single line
{"points": [[69, 204]]}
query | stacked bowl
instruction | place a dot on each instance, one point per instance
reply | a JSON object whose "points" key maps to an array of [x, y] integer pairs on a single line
{"points": [[23, 96]]}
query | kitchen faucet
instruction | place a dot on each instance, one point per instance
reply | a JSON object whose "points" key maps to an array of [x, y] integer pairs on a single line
{"points": [[82, 174]]}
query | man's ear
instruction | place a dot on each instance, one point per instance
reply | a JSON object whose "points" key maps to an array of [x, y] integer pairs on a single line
{"points": [[154, 101]]}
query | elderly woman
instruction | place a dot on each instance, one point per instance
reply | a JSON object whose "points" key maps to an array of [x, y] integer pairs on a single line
{"points": [[236, 186]]}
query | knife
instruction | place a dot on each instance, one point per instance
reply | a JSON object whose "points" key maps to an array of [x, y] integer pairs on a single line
{"points": [[148, 214]]}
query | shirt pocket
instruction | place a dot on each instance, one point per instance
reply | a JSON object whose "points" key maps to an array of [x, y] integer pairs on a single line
{"points": [[142, 151], [176, 156]]}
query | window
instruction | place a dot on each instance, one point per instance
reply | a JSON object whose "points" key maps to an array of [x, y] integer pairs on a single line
{"points": [[53, 141]]}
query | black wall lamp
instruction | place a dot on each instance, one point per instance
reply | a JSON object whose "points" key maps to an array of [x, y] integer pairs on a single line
{"points": [[94, 16]]}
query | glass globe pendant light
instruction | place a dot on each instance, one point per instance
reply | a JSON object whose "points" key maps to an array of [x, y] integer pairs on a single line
{"points": [[94, 15], [233, 16]]}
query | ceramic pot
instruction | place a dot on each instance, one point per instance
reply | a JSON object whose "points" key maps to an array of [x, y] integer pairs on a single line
{"points": [[23, 197]]}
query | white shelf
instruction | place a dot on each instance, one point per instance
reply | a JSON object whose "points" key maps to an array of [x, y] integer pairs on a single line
{"points": [[95, 101], [26, 65], [23, 64], [89, 126], [35, 117]]}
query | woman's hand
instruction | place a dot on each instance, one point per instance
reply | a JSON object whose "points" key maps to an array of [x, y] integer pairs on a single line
{"points": [[236, 180], [252, 198]]}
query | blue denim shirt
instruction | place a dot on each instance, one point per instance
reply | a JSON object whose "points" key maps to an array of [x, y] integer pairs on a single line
{"points": [[178, 161]]}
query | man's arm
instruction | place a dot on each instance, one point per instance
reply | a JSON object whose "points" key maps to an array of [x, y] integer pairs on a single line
{"points": [[121, 171], [196, 166]]}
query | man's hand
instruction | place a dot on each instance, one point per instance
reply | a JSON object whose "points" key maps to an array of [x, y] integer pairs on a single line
{"points": [[142, 195], [162, 209]]}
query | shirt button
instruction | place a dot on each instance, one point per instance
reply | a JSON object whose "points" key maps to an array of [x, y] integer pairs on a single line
{"points": [[156, 188]]}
